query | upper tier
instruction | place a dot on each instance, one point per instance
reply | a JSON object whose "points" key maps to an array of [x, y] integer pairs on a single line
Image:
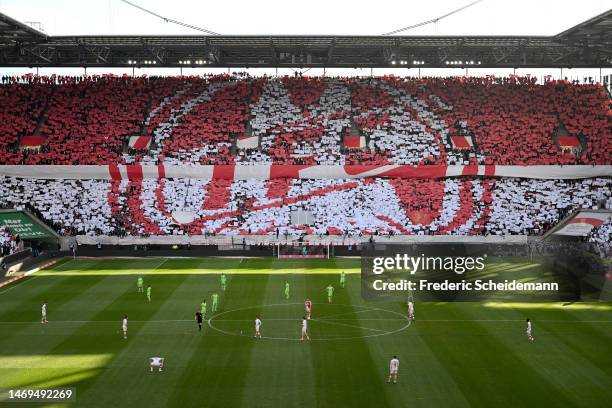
{"points": [[227, 119]]}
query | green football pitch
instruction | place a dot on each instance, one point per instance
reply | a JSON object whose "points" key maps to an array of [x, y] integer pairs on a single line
{"points": [[452, 355]]}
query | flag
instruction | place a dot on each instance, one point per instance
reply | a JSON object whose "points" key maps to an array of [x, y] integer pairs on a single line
{"points": [[354, 142], [568, 141], [247, 142], [32, 142], [462, 142], [140, 142]]}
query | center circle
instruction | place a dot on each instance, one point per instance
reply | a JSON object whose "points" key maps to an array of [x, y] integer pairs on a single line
{"points": [[329, 318]]}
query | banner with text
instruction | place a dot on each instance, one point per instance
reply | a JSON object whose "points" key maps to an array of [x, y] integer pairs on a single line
{"points": [[21, 224]]}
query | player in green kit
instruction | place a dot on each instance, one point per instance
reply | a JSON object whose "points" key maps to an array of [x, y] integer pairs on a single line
{"points": [[342, 279], [330, 293], [140, 284], [215, 302], [149, 292], [287, 290], [223, 281], [203, 309]]}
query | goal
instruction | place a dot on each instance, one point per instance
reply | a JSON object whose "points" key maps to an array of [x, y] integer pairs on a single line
{"points": [[298, 250]]}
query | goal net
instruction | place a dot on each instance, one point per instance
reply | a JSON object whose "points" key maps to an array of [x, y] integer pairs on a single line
{"points": [[302, 250]]}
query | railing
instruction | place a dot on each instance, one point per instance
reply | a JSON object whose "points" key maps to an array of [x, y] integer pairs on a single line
{"points": [[333, 240]]}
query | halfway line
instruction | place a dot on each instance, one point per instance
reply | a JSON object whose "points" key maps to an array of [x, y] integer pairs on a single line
{"points": [[354, 327]]}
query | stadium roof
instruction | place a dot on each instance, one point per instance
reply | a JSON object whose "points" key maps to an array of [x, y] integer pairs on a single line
{"points": [[13, 32], [596, 31], [587, 45]]}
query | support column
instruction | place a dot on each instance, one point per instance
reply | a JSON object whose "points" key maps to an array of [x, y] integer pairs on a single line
{"points": [[600, 78]]}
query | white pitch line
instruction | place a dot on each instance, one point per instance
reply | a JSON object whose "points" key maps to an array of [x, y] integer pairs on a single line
{"points": [[381, 333], [19, 283], [102, 321], [330, 321], [162, 262], [313, 320], [318, 320], [353, 326], [343, 314], [511, 320], [357, 319]]}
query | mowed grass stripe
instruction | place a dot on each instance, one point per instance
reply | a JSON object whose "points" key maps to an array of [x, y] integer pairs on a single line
{"points": [[423, 381], [488, 366], [591, 316], [211, 266], [190, 296], [569, 362], [103, 266], [48, 341], [342, 368], [17, 297], [128, 356], [221, 364], [279, 364], [63, 295], [177, 342], [576, 334], [561, 365]]}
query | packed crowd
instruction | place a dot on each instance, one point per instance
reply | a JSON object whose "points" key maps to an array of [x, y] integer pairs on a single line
{"points": [[302, 120], [8, 242], [456, 206], [602, 238]]}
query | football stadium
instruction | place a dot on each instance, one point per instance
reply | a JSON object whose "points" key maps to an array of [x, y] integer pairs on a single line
{"points": [[263, 204]]}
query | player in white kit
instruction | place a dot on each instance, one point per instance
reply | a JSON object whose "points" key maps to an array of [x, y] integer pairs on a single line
{"points": [[156, 362], [124, 326], [393, 369], [43, 313], [305, 328], [528, 330], [257, 328], [410, 310]]}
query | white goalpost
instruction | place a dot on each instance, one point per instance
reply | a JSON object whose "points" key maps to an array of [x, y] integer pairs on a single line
{"points": [[293, 249]]}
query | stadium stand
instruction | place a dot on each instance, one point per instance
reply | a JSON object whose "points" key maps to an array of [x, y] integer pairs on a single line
{"points": [[179, 125], [354, 207], [303, 121], [8, 242], [21, 105], [602, 238]]}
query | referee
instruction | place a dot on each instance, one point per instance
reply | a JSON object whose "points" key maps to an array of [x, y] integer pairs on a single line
{"points": [[198, 318]]}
